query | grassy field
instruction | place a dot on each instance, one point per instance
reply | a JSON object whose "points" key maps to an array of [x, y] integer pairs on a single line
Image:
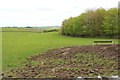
{"points": [[17, 46]]}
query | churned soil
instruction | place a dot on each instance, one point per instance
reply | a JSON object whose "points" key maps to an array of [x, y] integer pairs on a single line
{"points": [[71, 62]]}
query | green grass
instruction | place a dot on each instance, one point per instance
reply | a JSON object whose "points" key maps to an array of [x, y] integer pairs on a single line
{"points": [[17, 46]]}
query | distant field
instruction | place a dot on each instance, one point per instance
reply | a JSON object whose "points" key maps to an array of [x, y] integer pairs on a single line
{"points": [[17, 46], [28, 29], [16, 29]]}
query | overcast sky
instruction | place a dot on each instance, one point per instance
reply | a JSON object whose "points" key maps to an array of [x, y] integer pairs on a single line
{"points": [[46, 12]]}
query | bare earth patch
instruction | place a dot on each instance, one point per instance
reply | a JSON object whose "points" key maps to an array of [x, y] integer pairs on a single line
{"points": [[69, 62]]}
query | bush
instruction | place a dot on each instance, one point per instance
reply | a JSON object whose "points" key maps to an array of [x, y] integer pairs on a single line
{"points": [[51, 30]]}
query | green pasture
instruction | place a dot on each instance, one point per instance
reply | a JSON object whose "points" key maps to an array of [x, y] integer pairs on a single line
{"points": [[17, 46]]}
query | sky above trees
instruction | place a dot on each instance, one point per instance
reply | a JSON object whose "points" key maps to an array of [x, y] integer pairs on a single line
{"points": [[46, 12]]}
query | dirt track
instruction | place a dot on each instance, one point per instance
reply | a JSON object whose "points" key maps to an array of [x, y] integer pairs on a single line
{"points": [[69, 62]]}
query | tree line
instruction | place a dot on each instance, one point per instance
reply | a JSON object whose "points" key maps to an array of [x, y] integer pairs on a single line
{"points": [[99, 22]]}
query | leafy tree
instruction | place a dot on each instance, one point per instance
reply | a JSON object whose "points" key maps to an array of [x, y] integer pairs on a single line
{"points": [[99, 18], [110, 23]]}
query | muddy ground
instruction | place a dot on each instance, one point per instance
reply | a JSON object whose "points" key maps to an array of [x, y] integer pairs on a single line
{"points": [[69, 62]]}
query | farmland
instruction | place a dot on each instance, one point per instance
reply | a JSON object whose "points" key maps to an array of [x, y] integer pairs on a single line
{"points": [[70, 62], [68, 40], [17, 46]]}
